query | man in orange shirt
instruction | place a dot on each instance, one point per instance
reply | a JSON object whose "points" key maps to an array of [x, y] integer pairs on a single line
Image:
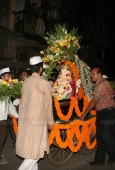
{"points": [[104, 104]]}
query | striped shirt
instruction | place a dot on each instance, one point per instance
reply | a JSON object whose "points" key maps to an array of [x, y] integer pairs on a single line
{"points": [[105, 95]]}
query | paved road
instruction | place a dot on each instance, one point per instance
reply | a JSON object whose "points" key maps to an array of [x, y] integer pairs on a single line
{"points": [[77, 162]]}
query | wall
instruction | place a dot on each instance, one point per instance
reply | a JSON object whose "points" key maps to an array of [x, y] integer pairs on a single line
{"points": [[14, 45]]}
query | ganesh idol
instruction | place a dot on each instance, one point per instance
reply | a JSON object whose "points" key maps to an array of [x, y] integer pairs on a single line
{"points": [[65, 85]]}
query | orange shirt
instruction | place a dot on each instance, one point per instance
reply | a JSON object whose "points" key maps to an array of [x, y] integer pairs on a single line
{"points": [[105, 95]]}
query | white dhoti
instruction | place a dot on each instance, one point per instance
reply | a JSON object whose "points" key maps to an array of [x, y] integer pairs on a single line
{"points": [[30, 164]]}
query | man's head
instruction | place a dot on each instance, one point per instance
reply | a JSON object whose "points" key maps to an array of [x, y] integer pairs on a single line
{"points": [[24, 75], [96, 74], [5, 74], [36, 64]]}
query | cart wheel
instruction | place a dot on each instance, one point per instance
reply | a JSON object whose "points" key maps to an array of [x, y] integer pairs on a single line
{"points": [[84, 150], [59, 156]]}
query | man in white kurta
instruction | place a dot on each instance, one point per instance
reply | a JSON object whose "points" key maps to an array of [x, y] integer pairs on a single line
{"points": [[35, 115]]}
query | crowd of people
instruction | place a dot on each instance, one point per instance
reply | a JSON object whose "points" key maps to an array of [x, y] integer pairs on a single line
{"points": [[36, 116], [36, 93], [19, 74]]}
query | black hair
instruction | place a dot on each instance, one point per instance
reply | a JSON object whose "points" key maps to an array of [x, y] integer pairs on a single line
{"points": [[27, 71], [36, 68]]}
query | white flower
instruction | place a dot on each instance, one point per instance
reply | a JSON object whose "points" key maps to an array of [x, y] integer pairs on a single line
{"points": [[45, 65], [78, 82], [44, 75]]}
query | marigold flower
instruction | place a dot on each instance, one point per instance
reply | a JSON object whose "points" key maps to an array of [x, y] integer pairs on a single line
{"points": [[15, 80], [4, 82]]}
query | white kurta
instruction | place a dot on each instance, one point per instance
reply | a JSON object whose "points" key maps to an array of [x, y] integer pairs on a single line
{"points": [[35, 112], [6, 109]]}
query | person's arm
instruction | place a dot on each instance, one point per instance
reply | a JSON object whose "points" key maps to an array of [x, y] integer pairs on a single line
{"points": [[99, 91], [89, 108], [16, 103], [12, 110]]}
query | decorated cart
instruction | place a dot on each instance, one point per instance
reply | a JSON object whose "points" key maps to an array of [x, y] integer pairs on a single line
{"points": [[72, 91]]}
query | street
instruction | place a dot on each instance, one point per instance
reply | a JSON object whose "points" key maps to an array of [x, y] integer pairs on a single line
{"points": [[77, 162]]}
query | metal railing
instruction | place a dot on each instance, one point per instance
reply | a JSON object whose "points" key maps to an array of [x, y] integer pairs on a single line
{"points": [[27, 22]]}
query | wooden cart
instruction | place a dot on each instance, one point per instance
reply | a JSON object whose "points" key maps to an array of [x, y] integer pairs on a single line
{"points": [[59, 156]]}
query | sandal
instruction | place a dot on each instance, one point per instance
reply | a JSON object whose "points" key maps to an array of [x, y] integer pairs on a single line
{"points": [[3, 162]]}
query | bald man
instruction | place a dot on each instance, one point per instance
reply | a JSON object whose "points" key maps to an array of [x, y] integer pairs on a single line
{"points": [[104, 104]]}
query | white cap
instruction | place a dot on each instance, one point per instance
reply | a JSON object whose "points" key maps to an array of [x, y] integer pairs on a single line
{"points": [[4, 70], [35, 60], [105, 77]]}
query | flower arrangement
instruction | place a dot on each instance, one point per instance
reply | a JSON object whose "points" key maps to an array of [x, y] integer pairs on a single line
{"points": [[61, 45], [10, 89], [84, 74]]}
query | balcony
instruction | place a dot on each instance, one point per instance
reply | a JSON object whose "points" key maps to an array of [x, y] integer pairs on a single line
{"points": [[29, 23]]}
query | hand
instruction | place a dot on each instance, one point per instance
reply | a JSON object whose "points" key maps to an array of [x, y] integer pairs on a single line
{"points": [[50, 127], [82, 117]]}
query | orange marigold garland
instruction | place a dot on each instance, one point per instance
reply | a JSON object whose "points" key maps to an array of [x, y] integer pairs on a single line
{"points": [[73, 69], [77, 132], [93, 112], [73, 105], [90, 134], [59, 112], [80, 93], [15, 124]]}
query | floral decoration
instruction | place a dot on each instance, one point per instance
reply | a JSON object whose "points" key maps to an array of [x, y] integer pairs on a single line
{"points": [[10, 89], [74, 134], [73, 105], [61, 45]]}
